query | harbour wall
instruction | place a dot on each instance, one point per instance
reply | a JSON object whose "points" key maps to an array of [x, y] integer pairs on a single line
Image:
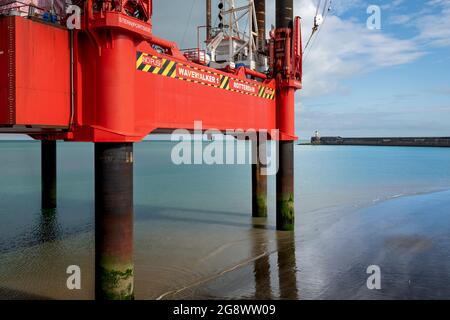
{"points": [[386, 141]]}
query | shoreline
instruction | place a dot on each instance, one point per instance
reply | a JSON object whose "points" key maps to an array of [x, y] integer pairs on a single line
{"points": [[411, 246], [214, 280], [370, 145]]}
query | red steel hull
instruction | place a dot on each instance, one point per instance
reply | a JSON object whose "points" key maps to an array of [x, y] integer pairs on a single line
{"points": [[123, 88]]}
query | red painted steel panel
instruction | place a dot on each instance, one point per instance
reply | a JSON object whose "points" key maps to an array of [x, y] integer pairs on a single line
{"points": [[125, 89], [118, 102], [7, 74], [174, 103], [41, 87]]}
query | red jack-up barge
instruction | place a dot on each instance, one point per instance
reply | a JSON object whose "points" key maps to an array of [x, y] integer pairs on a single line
{"points": [[112, 82]]}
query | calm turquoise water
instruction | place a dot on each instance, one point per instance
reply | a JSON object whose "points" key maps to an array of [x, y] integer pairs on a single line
{"points": [[195, 238]]}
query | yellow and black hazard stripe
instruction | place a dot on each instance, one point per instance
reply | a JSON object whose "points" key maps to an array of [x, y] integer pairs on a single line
{"points": [[224, 83], [266, 93], [168, 68]]}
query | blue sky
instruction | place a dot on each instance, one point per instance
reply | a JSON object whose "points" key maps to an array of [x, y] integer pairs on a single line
{"points": [[399, 83], [358, 82]]}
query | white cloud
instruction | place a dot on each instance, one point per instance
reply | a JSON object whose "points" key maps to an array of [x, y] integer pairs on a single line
{"points": [[400, 19], [345, 48], [392, 5], [376, 121], [438, 2], [435, 28], [342, 6]]}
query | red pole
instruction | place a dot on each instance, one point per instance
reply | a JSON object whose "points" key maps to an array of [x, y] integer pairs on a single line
{"points": [[285, 116], [115, 90]]}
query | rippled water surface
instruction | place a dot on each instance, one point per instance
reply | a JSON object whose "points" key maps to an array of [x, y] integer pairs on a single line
{"points": [[195, 238]]}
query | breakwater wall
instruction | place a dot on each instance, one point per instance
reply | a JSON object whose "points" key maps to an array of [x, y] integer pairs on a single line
{"points": [[395, 141]]}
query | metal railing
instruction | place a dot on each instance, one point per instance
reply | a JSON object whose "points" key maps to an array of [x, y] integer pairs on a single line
{"points": [[196, 55], [28, 10]]}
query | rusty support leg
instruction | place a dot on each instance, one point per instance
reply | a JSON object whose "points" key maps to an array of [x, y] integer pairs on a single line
{"points": [[260, 8], [48, 174], [285, 187], [114, 269], [259, 182], [284, 13], [208, 19]]}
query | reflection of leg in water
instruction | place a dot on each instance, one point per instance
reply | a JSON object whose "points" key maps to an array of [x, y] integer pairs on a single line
{"points": [[263, 290], [48, 226], [287, 266]]}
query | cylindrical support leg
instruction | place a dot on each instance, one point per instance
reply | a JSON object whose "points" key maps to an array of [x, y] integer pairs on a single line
{"points": [[48, 174], [114, 269], [285, 186], [260, 8], [259, 182], [284, 13], [208, 19]]}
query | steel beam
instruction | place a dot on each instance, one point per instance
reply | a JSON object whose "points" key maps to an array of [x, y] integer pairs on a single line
{"points": [[114, 268]]}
